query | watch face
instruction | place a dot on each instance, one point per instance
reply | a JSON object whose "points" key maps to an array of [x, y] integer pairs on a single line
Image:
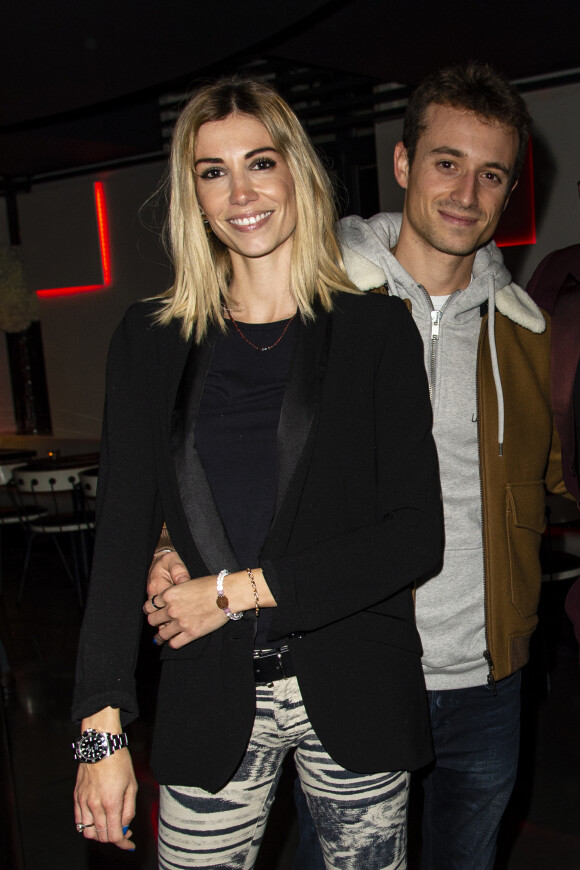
{"points": [[92, 746]]}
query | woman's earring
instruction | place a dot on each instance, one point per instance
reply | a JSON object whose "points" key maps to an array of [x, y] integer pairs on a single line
{"points": [[206, 223]]}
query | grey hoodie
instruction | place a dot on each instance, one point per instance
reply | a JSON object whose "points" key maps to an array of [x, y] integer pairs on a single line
{"points": [[450, 606]]}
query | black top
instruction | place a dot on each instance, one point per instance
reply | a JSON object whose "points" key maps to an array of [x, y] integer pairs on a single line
{"points": [[235, 436]]}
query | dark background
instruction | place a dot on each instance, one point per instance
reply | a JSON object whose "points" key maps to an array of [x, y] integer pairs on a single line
{"points": [[80, 81]]}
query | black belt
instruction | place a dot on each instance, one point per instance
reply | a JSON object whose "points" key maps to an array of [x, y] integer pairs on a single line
{"points": [[273, 664]]}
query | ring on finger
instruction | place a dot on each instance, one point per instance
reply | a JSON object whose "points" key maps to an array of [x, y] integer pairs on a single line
{"points": [[156, 606], [80, 826], [100, 830]]}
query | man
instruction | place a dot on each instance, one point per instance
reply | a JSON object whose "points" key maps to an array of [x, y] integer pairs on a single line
{"points": [[487, 356]]}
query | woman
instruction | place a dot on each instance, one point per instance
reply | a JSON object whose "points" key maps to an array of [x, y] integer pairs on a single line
{"points": [[272, 417]]}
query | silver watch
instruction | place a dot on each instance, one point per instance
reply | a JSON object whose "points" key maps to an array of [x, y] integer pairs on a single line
{"points": [[94, 745]]}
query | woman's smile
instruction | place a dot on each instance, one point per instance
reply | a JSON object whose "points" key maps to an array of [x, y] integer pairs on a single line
{"points": [[250, 221]]}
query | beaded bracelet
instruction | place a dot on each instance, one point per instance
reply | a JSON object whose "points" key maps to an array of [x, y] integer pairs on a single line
{"points": [[222, 599], [255, 591]]}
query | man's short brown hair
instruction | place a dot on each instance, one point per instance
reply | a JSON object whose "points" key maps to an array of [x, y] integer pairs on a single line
{"points": [[474, 87]]}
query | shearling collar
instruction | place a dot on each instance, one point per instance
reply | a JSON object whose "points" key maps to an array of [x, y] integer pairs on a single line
{"points": [[511, 300]]}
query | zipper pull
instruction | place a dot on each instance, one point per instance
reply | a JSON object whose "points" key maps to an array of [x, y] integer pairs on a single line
{"points": [[435, 321], [491, 675]]}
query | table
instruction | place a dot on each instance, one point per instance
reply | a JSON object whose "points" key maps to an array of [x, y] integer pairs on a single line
{"points": [[13, 454], [48, 463], [9, 459]]}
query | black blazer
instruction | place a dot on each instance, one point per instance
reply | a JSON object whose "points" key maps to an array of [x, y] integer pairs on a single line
{"points": [[357, 521]]}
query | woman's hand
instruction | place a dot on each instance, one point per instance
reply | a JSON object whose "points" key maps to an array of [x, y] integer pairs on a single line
{"points": [[105, 791], [185, 611], [188, 610], [105, 797]]}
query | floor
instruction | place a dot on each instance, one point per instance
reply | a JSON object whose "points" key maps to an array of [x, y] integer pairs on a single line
{"points": [[541, 830]]}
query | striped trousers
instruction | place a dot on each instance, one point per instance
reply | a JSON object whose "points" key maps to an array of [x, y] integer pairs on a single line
{"points": [[361, 819]]}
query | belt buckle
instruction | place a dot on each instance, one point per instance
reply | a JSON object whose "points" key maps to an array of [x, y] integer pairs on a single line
{"points": [[276, 669]]}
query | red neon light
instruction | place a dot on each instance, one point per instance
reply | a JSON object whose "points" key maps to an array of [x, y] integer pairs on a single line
{"points": [[103, 225], [104, 247], [519, 225]]}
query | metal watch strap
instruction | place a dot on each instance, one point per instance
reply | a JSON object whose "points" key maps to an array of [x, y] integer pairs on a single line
{"points": [[118, 741]]}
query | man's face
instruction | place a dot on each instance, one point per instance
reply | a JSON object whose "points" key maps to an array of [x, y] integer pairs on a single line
{"points": [[459, 182]]}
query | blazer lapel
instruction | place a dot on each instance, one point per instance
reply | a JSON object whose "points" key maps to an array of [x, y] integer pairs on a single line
{"points": [[197, 498], [301, 398], [301, 401]]}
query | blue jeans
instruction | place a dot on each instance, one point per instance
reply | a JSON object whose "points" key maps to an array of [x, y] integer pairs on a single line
{"points": [[476, 736]]}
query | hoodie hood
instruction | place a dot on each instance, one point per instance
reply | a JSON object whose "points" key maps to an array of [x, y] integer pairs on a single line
{"points": [[366, 250]]}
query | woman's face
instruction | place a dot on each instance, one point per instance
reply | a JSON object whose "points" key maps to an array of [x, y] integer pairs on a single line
{"points": [[244, 187]]}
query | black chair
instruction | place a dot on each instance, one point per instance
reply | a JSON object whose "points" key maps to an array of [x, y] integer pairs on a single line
{"points": [[88, 482], [57, 496], [12, 510]]}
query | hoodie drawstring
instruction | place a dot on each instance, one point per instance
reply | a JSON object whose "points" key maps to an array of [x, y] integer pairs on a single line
{"points": [[495, 364]]}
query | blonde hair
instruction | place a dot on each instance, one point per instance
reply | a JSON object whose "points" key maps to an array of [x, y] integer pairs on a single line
{"points": [[202, 262]]}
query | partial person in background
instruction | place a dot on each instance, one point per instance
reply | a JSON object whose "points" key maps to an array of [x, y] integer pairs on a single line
{"points": [[555, 286], [278, 421]]}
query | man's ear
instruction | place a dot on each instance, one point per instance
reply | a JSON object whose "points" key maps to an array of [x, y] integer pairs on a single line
{"points": [[507, 199], [401, 165]]}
